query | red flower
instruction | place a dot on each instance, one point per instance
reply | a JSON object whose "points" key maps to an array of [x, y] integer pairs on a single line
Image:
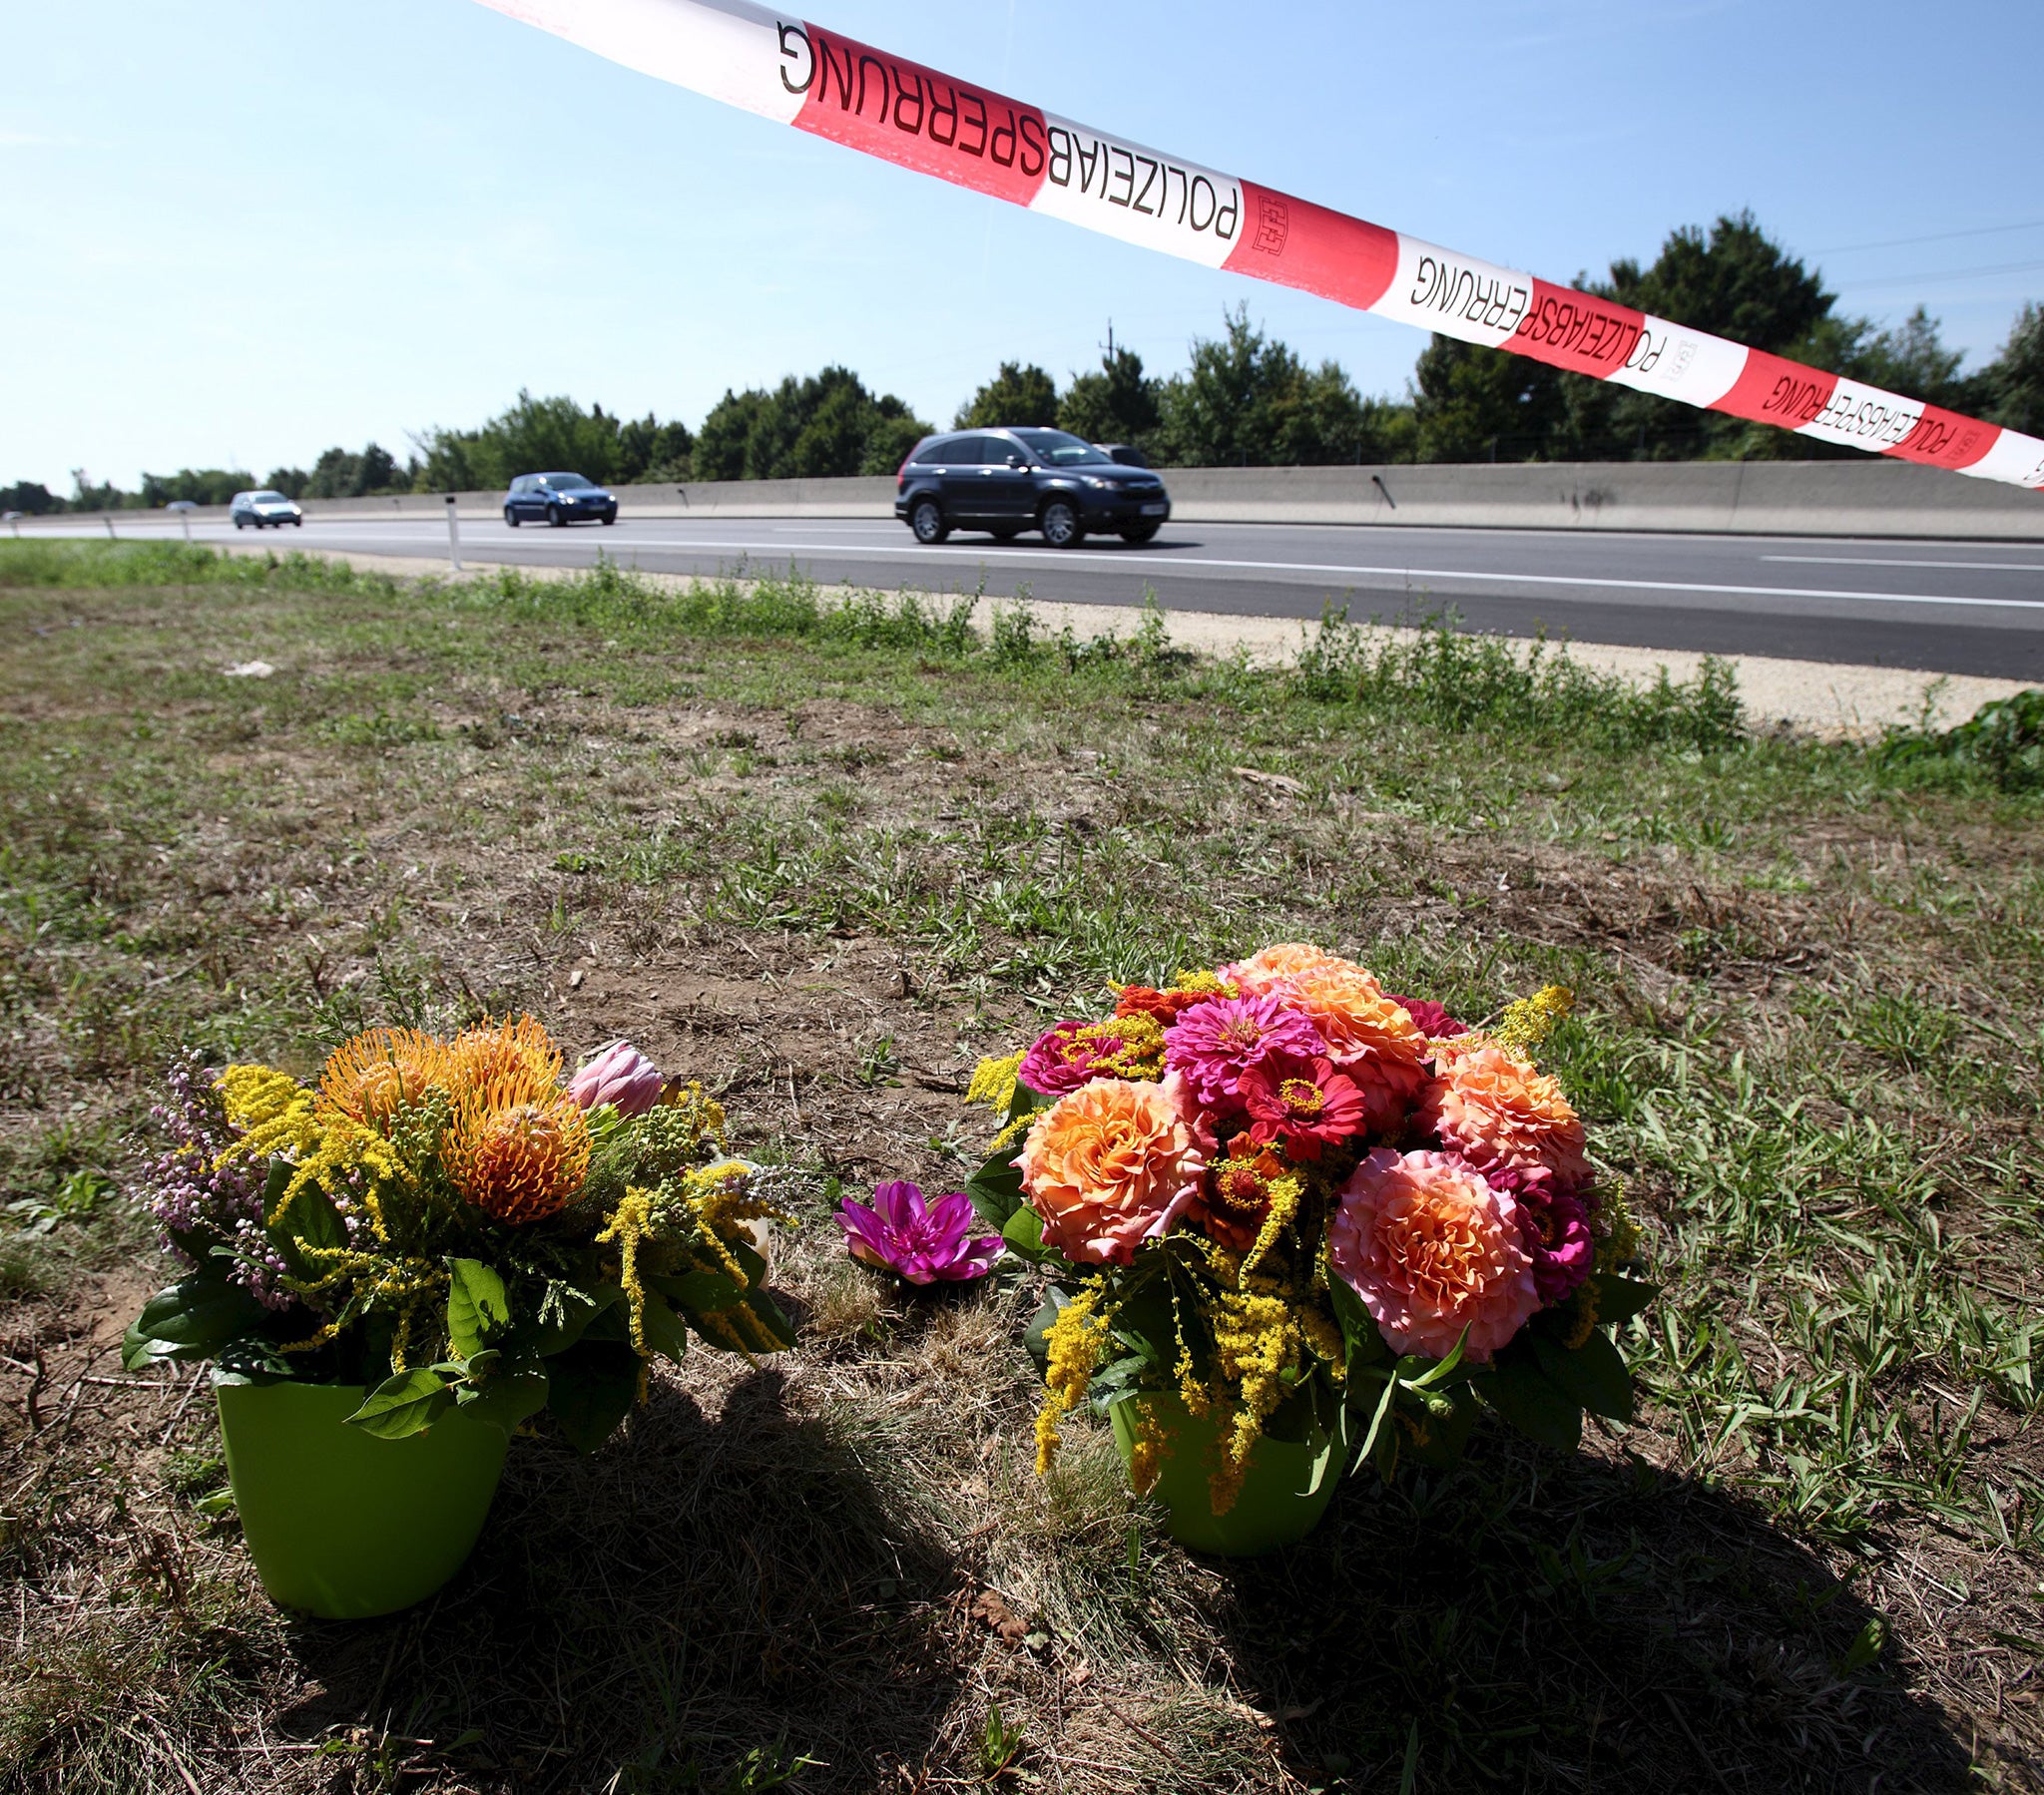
{"points": [[1302, 1103]]}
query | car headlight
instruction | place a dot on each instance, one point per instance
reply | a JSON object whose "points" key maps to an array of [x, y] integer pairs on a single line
{"points": [[1096, 481]]}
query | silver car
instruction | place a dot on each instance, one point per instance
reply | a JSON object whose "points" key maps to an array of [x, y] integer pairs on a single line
{"points": [[266, 510]]}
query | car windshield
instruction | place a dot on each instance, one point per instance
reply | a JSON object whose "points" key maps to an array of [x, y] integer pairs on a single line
{"points": [[271, 498], [1060, 448], [566, 482]]}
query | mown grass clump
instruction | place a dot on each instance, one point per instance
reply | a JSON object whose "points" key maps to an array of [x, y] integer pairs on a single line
{"points": [[821, 854]]}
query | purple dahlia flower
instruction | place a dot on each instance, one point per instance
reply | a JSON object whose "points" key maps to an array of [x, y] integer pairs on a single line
{"points": [[924, 1242]]}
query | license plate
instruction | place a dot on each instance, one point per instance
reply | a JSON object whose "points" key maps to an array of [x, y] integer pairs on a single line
{"points": [[1155, 510]]}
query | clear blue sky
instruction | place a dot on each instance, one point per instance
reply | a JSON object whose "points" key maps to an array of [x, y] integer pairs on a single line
{"points": [[234, 233]]}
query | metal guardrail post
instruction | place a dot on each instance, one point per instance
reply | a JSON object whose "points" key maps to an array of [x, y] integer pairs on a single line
{"points": [[453, 536]]}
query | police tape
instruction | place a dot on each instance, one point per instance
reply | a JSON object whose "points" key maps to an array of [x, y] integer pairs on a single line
{"points": [[836, 87]]}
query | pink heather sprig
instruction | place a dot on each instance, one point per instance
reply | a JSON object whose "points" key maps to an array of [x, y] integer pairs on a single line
{"points": [[187, 1195]]}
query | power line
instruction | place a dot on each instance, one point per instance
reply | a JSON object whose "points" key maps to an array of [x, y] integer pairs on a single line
{"points": [[1942, 237], [1932, 277]]}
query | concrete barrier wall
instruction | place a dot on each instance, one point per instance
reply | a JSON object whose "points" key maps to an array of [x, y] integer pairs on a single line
{"points": [[1787, 498]]}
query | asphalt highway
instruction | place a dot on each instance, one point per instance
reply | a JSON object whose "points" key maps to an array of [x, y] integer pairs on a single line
{"points": [[1946, 606]]}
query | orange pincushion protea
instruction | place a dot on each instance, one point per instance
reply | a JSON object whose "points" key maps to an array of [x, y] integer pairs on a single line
{"points": [[371, 1076], [518, 1149], [517, 1048]]}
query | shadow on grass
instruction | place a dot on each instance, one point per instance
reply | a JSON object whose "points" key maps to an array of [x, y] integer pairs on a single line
{"points": [[702, 1605], [1540, 1624]]}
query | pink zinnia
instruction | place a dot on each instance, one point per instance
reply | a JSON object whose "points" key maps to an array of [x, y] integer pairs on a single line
{"points": [[1303, 1105], [1213, 1044], [1430, 1018], [1556, 1228], [1433, 1249], [1061, 1061]]}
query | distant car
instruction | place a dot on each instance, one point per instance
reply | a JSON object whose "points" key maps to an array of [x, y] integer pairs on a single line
{"points": [[558, 499], [182, 505], [1126, 453], [266, 510], [1007, 481]]}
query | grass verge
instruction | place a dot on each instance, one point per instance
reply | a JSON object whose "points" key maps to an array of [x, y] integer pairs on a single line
{"points": [[822, 855]]}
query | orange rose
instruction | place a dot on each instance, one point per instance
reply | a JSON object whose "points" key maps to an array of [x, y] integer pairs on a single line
{"points": [[1494, 1109], [1369, 1036], [1261, 971], [1112, 1164]]}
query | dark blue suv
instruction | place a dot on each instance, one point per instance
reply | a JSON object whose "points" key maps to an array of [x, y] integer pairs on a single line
{"points": [[559, 499], [1007, 481]]}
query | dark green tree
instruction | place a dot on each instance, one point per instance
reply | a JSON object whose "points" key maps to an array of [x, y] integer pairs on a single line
{"points": [[822, 425], [2013, 383], [1116, 404], [30, 497], [1248, 400], [202, 486], [1017, 398]]}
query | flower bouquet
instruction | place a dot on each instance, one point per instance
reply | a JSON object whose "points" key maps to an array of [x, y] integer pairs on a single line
{"points": [[438, 1241], [1289, 1216]]}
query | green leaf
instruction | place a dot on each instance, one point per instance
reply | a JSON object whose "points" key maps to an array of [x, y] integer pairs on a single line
{"points": [[476, 1306], [666, 1332], [1519, 1391], [699, 1293], [507, 1399], [1023, 1232], [1036, 1338], [996, 1188], [193, 1319], [1620, 1299], [590, 1389], [309, 1219], [1358, 1326], [577, 1309], [771, 1316], [1592, 1374], [1439, 1439], [405, 1403]]}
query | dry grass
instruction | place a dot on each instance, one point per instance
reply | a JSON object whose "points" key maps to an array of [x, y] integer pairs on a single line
{"points": [[824, 872]]}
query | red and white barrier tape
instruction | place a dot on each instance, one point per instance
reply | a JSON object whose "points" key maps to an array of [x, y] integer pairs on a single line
{"points": [[800, 73]]}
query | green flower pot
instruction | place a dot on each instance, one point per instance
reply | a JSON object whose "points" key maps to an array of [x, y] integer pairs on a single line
{"points": [[343, 1525], [1286, 1491]]}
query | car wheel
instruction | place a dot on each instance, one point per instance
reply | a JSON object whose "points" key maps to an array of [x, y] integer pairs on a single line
{"points": [[1061, 526], [928, 521], [554, 517], [610, 517], [298, 523], [241, 523], [510, 517], [1141, 533]]}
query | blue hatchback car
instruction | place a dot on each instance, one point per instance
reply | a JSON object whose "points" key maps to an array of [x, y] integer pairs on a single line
{"points": [[558, 499]]}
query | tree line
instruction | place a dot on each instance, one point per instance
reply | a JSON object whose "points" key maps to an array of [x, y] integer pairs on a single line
{"points": [[1244, 399]]}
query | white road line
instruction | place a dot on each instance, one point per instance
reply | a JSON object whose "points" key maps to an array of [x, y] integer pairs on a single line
{"points": [[1993, 567], [1139, 561], [1135, 560]]}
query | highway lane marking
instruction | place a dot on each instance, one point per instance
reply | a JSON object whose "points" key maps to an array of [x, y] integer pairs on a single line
{"points": [[1993, 567], [1130, 562], [1165, 562]]}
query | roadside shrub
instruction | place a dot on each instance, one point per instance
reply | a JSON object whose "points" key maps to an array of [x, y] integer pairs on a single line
{"points": [[2001, 744]]}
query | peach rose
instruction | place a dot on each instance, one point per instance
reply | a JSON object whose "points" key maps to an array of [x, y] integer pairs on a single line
{"points": [[1112, 1164], [1369, 1036], [1433, 1250], [1495, 1110], [1261, 971]]}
